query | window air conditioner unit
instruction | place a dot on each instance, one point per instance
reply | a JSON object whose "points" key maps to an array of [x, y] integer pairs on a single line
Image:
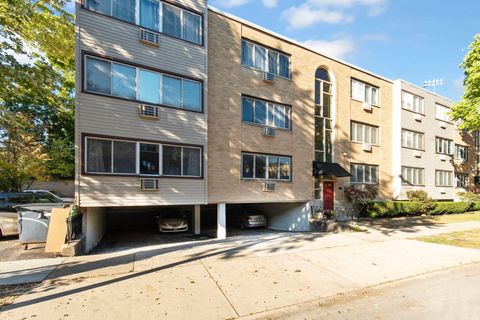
{"points": [[149, 37], [417, 117], [462, 161], [268, 77], [268, 186], [417, 154], [443, 157], [150, 112], [367, 106], [268, 132], [367, 147], [149, 184]]}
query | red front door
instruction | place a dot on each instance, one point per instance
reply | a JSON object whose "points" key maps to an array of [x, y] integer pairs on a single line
{"points": [[328, 192]]}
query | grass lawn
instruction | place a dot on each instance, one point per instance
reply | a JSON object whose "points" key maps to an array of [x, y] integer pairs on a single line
{"points": [[451, 218], [467, 239]]}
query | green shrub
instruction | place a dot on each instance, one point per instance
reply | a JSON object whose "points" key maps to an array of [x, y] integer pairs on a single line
{"points": [[476, 206], [417, 195], [388, 209], [469, 197], [421, 196], [451, 208]]}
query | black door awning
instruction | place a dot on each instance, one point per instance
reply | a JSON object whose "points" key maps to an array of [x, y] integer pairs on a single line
{"points": [[329, 169]]}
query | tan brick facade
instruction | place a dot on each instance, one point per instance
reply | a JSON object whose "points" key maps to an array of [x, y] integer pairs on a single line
{"points": [[228, 137]]}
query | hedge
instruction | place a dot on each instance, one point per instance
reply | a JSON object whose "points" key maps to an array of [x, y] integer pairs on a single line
{"points": [[387, 209]]}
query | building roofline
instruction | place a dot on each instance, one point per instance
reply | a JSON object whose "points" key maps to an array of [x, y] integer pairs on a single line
{"points": [[299, 44], [425, 90]]}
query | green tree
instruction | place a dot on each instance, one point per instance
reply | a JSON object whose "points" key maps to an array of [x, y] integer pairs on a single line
{"points": [[468, 109], [37, 64], [22, 155]]}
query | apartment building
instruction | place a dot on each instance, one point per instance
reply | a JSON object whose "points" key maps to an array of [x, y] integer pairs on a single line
{"points": [[430, 153], [183, 107], [141, 107], [276, 107]]}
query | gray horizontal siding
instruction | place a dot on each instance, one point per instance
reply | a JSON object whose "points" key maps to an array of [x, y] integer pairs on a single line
{"points": [[106, 36], [105, 191], [108, 116]]}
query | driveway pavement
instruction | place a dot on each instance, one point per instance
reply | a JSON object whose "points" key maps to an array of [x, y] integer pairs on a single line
{"points": [[243, 276]]}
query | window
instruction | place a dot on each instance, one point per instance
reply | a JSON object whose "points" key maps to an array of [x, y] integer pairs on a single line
{"points": [[149, 84], [154, 15], [268, 167], [267, 60], [363, 133], [108, 156], [461, 152], [323, 116], [123, 81], [412, 102], [364, 92], [149, 159], [120, 80], [364, 173], [443, 178], [461, 180], [413, 140], [120, 9], [266, 113], [441, 112], [444, 146], [413, 176], [153, 159]]}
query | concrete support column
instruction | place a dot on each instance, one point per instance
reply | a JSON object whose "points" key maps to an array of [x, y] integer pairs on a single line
{"points": [[221, 221], [94, 226], [196, 219]]}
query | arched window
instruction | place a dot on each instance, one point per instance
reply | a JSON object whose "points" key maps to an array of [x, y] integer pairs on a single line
{"points": [[323, 122]]}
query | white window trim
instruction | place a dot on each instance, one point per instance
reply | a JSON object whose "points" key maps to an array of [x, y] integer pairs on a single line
{"points": [[415, 176], [137, 158], [414, 96], [137, 85], [444, 143], [370, 167], [444, 176], [366, 86], [414, 134], [364, 129], [457, 146]]}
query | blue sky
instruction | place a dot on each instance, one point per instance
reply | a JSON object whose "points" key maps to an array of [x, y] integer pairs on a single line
{"points": [[415, 40]]}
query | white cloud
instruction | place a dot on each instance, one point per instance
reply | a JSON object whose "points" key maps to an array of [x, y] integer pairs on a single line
{"points": [[270, 3], [338, 48], [329, 11], [305, 16], [238, 3]]}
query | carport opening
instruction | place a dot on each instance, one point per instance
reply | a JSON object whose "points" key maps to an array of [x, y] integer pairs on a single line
{"points": [[134, 227]]}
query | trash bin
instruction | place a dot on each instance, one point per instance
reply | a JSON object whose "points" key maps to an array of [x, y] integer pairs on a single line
{"points": [[33, 221]]}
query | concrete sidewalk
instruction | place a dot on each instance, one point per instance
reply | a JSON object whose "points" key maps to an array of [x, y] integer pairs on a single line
{"points": [[238, 277]]}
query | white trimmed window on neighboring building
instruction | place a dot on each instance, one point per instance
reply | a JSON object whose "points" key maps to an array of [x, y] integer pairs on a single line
{"points": [[443, 178], [412, 102], [413, 140], [461, 180], [413, 176], [364, 174]]}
